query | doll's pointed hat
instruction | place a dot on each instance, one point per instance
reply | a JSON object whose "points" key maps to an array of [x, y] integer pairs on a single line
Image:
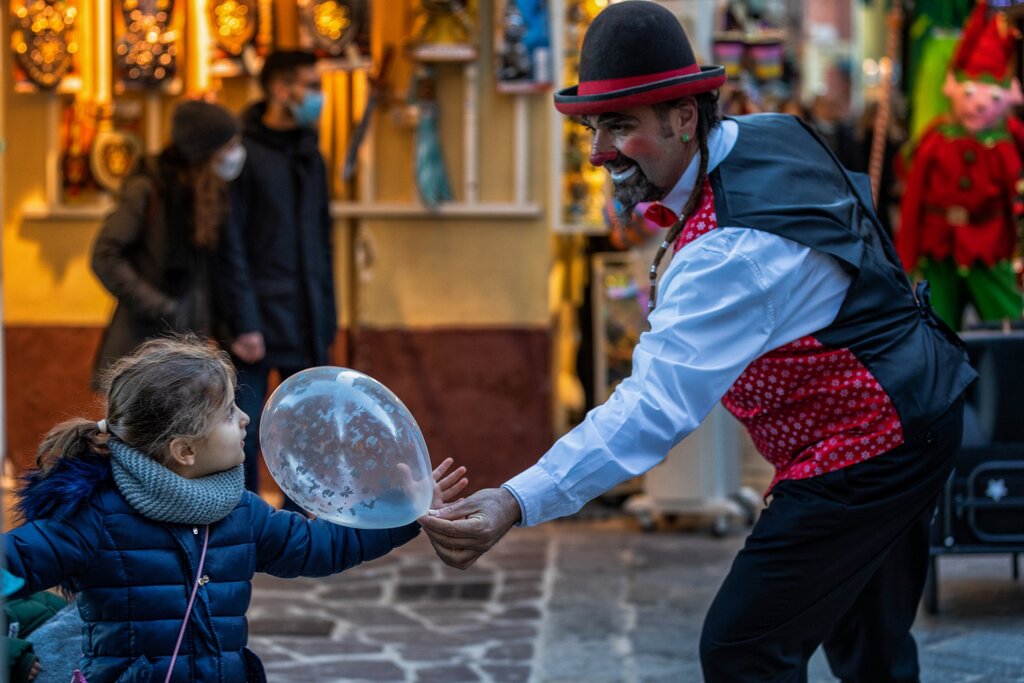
{"points": [[985, 52], [635, 53]]}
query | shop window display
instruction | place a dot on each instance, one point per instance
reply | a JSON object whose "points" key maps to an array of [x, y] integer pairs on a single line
{"points": [[329, 27], [241, 33], [146, 45], [44, 44], [154, 51], [523, 47]]}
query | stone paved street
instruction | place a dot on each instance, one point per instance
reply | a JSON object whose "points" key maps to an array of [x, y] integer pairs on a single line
{"points": [[591, 601]]}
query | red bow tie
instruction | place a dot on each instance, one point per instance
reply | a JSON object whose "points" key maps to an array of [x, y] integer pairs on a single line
{"points": [[659, 214]]}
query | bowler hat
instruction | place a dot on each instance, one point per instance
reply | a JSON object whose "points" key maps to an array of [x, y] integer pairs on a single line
{"points": [[635, 53]]}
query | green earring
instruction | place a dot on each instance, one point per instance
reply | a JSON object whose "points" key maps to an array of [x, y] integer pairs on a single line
{"points": [[685, 137]]}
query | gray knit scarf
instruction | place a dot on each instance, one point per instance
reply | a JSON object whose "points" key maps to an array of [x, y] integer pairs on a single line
{"points": [[160, 494]]}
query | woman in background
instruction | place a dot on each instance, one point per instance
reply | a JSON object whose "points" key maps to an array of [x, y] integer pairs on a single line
{"points": [[153, 250]]}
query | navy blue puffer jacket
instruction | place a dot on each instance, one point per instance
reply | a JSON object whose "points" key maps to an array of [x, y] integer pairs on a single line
{"points": [[133, 576]]}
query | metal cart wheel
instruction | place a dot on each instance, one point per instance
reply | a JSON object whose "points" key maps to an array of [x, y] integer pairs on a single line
{"points": [[720, 526], [647, 522]]}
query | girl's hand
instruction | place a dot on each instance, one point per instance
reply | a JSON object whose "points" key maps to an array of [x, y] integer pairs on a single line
{"points": [[446, 488]]}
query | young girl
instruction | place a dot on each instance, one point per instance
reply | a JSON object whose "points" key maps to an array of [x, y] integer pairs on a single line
{"points": [[117, 512]]}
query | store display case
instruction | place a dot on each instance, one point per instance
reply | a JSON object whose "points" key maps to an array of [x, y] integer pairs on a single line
{"points": [[111, 72]]}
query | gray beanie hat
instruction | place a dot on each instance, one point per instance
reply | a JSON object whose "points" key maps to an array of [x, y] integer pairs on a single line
{"points": [[198, 129]]}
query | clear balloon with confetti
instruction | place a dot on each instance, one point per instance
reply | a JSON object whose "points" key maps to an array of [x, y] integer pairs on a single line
{"points": [[345, 448]]}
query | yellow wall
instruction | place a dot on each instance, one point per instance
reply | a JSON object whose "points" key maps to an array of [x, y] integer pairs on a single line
{"points": [[427, 271], [46, 272]]}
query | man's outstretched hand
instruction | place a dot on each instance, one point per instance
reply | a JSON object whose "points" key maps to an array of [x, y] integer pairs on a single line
{"points": [[463, 531]]}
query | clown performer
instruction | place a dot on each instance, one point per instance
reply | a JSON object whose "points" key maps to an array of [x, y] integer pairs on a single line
{"points": [[785, 300], [958, 221]]}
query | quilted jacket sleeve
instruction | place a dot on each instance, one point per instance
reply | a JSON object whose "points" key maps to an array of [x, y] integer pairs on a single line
{"points": [[289, 545], [47, 552]]}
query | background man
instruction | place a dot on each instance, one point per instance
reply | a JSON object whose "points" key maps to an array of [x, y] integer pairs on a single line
{"points": [[275, 280]]}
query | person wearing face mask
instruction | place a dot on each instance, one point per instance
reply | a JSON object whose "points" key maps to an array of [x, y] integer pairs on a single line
{"points": [[274, 281], [154, 249]]}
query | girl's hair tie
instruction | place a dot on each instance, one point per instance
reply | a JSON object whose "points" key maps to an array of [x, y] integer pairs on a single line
{"points": [[102, 426]]}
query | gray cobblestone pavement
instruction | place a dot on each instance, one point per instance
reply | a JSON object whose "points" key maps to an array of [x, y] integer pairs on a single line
{"points": [[579, 601]]}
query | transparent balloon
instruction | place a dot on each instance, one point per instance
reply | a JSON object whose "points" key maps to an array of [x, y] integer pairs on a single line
{"points": [[345, 448]]}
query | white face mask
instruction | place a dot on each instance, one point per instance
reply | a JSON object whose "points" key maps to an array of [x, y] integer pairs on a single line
{"points": [[229, 166]]}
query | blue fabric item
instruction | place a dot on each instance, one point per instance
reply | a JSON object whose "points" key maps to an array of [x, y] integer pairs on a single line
{"points": [[58, 644], [132, 575], [63, 491], [11, 584], [431, 175], [307, 113]]}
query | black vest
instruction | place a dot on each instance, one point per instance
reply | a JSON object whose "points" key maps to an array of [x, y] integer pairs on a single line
{"points": [[781, 178]]}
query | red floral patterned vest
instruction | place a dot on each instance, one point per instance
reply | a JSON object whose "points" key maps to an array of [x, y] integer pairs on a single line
{"points": [[809, 409]]}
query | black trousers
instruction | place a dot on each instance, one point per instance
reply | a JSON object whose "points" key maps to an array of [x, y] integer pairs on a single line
{"points": [[253, 385], [839, 560]]}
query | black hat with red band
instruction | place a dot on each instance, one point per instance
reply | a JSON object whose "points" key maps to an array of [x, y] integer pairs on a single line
{"points": [[635, 53]]}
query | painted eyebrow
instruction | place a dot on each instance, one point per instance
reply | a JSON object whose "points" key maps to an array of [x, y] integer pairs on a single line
{"points": [[615, 117], [604, 119]]}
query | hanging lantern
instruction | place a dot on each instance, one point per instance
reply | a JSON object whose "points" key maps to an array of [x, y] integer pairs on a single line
{"points": [[330, 26], [233, 24], [146, 55], [41, 41]]}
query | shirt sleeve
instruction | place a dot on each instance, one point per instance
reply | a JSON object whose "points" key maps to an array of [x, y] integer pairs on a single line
{"points": [[724, 300]]}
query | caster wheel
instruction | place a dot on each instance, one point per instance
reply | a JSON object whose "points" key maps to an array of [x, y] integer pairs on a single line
{"points": [[720, 526]]}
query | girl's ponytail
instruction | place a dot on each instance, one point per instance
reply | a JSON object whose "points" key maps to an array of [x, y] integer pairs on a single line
{"points": [[70, 440]]}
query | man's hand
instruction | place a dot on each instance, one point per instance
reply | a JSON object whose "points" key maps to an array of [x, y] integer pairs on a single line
{"points": [[249, 347], [465, 530]]}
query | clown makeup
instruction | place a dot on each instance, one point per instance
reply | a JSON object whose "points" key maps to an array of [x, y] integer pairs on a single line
{"points": [[641, 152]]}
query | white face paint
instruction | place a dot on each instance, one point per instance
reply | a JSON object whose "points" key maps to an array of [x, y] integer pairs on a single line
{"points": [[229, 164]]}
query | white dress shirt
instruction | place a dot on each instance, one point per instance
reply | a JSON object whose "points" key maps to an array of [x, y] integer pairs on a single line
{"points": [[725, 299]]}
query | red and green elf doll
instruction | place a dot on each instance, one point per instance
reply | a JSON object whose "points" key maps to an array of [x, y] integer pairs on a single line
{"points": [[960, 211]]}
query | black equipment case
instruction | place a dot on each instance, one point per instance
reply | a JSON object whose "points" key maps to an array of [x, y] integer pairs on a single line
{"points": [[981, 507]]}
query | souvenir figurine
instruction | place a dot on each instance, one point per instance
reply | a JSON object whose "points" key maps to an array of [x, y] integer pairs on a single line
{"points": [[431, 175], [114, 151], [77, 131], [523, 47], [958, 222]]}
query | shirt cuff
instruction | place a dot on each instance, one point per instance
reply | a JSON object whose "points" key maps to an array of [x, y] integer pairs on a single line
{"points": [[529, 488]]}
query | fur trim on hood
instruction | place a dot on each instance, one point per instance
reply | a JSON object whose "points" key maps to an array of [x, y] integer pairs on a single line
{"points": [[61, 492]]}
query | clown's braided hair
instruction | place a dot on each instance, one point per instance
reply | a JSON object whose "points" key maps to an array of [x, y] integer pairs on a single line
{"points": [[708, 118]]}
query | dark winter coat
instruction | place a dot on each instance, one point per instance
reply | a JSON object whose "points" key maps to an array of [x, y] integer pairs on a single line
{"points": [[275, 266], [145, 257], [133, 575]]}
